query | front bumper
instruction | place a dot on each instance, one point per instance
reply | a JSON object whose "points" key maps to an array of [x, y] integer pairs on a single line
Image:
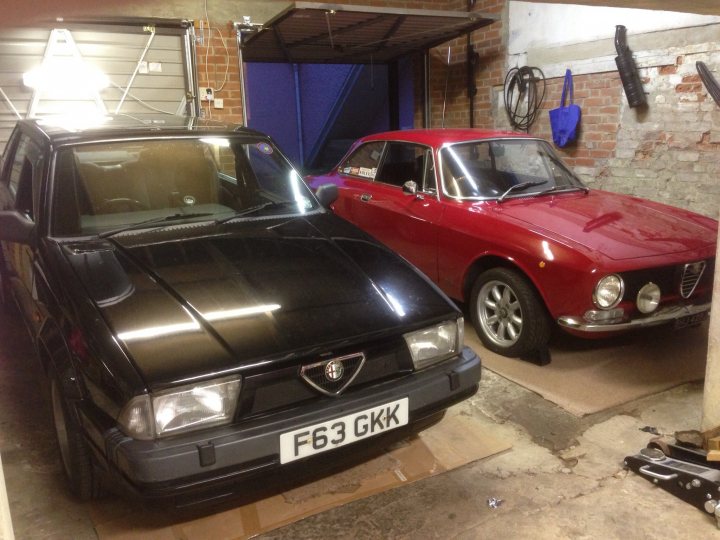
{"points": [[199, 461], [662, 316]]}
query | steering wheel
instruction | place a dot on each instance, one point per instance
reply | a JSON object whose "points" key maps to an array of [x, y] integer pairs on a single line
{"points": [[120, 204]]}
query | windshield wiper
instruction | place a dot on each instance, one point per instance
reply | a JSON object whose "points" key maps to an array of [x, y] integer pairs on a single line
{"points": [[161, 219], [584, 189], [520, 187], [253, 209]]}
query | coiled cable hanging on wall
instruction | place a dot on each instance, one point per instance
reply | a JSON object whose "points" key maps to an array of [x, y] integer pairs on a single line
{"points": [[523, 95]]}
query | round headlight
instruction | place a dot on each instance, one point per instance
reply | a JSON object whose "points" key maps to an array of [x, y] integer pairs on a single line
{"points": [[608, 291], [648, 298]]}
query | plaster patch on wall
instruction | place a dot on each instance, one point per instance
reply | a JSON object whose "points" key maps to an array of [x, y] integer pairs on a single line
{"points": [[539, 25]]}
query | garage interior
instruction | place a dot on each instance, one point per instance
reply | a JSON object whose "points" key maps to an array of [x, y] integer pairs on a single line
{"points": [[316, 77]]}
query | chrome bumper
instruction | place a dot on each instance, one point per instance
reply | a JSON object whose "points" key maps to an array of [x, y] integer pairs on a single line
{"points": [[663, 316]]}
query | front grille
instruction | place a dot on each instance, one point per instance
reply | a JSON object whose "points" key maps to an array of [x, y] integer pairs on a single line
{"points": [[690, 277], [318, 377], [276, 388], [675, 282]]}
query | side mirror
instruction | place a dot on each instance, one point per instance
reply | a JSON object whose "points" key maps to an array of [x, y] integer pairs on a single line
{"points": [[327, 194], [410, 187], [16, 227]]}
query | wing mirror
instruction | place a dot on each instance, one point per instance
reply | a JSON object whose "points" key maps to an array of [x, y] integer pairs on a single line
{"points": [[327, 194], [410, 187], [16, 227]]}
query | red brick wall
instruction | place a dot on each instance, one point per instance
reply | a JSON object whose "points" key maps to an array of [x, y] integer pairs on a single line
{"points": [[211, 61], [489, 45], [598, 96]]}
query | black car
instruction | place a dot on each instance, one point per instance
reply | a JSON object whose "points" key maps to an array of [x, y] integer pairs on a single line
{"points": [[199, 314]]}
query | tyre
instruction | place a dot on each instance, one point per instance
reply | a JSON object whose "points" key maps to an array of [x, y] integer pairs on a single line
{"points": [[74, 451], [507, 313]]}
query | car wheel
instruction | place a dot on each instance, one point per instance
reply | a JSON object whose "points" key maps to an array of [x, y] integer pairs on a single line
{"points": [[74, 451], [507, 314]]}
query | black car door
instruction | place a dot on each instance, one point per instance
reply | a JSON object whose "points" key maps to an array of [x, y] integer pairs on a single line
{"points": [[22, 173]]}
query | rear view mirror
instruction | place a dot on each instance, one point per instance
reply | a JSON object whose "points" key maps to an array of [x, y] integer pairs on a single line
{"points": [[327, 194], [16, 227]]}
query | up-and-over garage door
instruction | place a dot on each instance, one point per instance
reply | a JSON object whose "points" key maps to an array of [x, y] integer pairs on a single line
{"points": [[149, 67], [348, 34]]}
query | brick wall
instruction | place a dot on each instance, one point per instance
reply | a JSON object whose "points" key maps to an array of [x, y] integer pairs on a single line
{"points": [[671, 151], [448, 83], [211, 62]]}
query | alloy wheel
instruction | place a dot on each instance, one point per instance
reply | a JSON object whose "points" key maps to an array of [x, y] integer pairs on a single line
{"points": [[499, 313]]}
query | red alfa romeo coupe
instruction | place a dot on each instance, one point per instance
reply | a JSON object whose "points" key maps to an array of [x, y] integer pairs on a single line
{"points": [[499, 222]]}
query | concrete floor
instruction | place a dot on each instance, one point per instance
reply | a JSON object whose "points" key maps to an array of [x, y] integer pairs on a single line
{"points": [[562, 479]]}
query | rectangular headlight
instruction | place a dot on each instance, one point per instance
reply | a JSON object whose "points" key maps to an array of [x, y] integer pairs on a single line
{"points": [[182, 409], [432, 345]]}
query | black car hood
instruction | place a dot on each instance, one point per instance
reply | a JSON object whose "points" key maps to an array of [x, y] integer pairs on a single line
{"points": [[195, 301]]}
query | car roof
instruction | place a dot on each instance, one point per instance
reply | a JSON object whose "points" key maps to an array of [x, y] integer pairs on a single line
{"points": [[61, 130], [439, 136]]}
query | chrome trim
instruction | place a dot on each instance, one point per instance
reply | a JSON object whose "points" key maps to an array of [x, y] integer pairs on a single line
{"points": [[617, 300], [324, 363], [520, 137], [659, 317], [698, 269]]}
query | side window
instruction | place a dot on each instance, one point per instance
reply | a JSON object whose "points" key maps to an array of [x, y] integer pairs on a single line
{"points": [[402, 162], [364, 161], [24, 174]]}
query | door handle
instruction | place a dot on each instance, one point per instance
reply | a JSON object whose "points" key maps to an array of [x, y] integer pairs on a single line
{"points": [[365, 197]]}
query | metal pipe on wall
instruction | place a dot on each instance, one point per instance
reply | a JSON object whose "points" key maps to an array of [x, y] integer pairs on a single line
{"points": [[243, 93], [298, 112], [427, 121]]}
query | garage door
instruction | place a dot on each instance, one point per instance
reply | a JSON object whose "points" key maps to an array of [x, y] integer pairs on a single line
{"points": [[149, 68], [313, 32]]}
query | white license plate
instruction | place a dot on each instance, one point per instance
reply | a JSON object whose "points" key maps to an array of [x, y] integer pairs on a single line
{"points": [[338, 432]]}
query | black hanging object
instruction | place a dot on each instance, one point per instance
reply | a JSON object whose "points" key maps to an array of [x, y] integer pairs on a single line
{"points": [[711, 84], [524, 91], [628, 72]]}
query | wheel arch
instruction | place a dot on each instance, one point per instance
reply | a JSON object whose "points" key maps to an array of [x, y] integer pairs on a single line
{"points": [[56, 359], [487, 262]]}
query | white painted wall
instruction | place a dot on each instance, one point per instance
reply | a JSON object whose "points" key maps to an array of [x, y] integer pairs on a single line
{"points": [[540, 25]]}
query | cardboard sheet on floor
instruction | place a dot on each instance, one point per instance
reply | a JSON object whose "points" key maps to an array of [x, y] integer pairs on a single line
{"points": [[455, 441], [588, 376]]}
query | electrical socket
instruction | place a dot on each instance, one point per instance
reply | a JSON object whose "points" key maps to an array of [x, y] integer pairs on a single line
{"points": [[207, 94], [218, 103]]}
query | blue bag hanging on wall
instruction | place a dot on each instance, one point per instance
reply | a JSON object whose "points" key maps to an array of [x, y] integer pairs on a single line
{"points": [[565, 119]]}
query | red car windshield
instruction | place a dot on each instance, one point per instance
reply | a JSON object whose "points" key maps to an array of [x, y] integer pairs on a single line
{"points": [[489, 169]]}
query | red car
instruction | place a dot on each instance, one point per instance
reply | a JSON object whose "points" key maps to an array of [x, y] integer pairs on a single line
{"points": [[500, 223]]}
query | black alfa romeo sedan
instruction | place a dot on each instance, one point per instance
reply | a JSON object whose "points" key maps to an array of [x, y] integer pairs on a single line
{"points": [[199, 314]]}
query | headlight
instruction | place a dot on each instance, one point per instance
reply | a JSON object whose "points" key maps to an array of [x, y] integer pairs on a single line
{"points": [[182, 409], [434, 344], [648, 298], [608, 291]]}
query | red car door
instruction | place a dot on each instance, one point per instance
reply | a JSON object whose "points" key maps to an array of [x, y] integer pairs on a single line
{"points": [[404, 219]]}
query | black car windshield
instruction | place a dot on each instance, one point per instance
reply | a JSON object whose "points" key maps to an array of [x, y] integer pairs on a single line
{"points": [[488, 169], [110, 186]]}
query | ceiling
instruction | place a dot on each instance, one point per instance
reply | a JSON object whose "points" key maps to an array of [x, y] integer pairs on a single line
{"points": [[23, 12]]}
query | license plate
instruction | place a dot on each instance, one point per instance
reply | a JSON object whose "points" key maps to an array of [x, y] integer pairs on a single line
{"points": [[691, 320], [325, 436]]}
